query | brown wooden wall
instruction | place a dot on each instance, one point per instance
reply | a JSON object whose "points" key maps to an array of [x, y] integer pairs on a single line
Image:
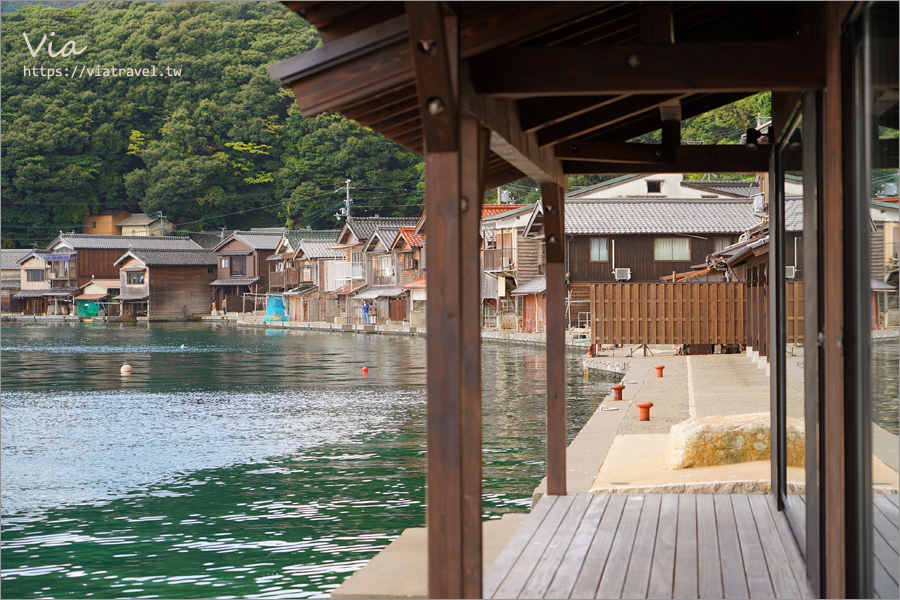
{"points": [[97, 263], [666, 313], [180, 291], [634, 252]]}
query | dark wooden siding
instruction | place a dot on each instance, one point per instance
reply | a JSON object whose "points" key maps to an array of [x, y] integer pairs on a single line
{"points": [[528, 255], [876, 252], [636, 253], [96, 263], [180, 291]]}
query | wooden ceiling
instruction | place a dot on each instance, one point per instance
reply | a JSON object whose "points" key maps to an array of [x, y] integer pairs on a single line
{"points": [[563, 82]]}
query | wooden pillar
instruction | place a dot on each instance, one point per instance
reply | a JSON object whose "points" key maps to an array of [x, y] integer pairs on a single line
{"points": [[455, 155], [552, 197]]}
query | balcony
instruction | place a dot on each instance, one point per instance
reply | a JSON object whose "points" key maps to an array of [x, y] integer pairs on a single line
{"points": [[499, 259], [382, 278]]}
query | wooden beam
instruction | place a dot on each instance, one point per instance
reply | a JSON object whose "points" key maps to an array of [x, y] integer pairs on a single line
{"points": [[688, 159], [648, 68], [518, 148], [552, 197], [474, 141], [606, 116], [535, 113], [433, 49], [614, 152]]}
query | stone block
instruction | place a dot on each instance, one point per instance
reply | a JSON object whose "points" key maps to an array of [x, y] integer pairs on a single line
{"points": [[729, 439]]}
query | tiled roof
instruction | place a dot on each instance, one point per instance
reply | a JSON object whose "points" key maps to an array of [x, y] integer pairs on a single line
{"points": [[385, 235], [174, 258], [793, 213], [419, 284], [107, 283], [260, 240], [9, 259], [314, 248], [125, 242], [491, 210], [522, 208], [137, 219], [364, 227], [629, 216], [538, 285], [236, 281], [10, 284], [599, 186], [735, 189], [413, 240]]}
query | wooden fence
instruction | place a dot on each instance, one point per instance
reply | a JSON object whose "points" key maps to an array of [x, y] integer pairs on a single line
{"points": [[667, 313]]}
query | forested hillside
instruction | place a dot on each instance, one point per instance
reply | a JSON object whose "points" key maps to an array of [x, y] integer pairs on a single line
{"points": [[196, 130], [209, 141]]}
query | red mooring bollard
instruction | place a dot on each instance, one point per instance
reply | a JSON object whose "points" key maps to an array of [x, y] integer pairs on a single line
{"points": [[617, 391], [645, 410], [659, 370]]}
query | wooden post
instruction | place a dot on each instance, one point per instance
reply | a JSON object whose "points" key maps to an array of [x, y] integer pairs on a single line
{"points": [[455, 156], [554, 234]]}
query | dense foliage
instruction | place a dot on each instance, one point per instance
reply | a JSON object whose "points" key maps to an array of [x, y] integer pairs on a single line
{"points": [[217, 145]]}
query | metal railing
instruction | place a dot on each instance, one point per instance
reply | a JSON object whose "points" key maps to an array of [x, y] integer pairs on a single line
{"points": [[498, 259]]}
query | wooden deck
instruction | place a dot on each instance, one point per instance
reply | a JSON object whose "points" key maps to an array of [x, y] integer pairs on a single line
{"points": [[651, 546]]}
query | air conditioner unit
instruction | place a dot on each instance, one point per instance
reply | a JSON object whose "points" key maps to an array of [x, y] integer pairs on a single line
{"points": [[790, 272], [622, 274]]}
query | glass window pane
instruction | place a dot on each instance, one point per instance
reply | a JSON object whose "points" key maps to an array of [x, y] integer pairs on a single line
{"points": [[598, 250]]}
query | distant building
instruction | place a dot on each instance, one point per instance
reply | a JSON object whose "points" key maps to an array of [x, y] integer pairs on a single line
{"points": [[105, 223], [141, 224]]}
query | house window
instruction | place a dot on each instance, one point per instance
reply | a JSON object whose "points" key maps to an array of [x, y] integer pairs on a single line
{"points": [[135, 278], [654, 187], [34, 275], [224, 263], [599, 252], [672, 249], [238, 265], [722, 243]]}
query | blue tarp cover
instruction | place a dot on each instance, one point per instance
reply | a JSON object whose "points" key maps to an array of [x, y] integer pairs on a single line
{"points": [[276, 310]]}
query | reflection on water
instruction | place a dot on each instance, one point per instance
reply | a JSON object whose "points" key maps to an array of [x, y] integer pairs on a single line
{"points": [[249, 463]]}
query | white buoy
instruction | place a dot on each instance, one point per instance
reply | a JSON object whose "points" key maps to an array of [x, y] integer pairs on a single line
{"points": [[182, 346], [126, 368]]}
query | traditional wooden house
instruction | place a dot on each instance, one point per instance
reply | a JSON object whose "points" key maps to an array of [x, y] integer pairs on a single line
{"points": [[383, 292], [885, 262], [105, 223], [166, 284], [534, 304], [97, 298], [242, 276], [312, 271], [75, 259], [142, 224], [508, 258], [10, 278], [492, 92], [406, 249], [33, 284], [350, 273]]}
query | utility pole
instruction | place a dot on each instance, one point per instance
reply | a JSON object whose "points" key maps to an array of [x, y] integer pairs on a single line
{"points": [[162, 223], [344, 212]]}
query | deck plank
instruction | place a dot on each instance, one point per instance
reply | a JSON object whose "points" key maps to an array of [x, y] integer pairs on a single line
{"points": [[637, 577], [894, 499], [709, 560], [686, 574], [784, 583], [510, 554], [795, 558], [885, 554], [613, 577], [755, 567], [797, 505], [885, 587], [662, 576], [730, 549], [595, 562], [887, 529], [891, 512], [576, 554], [532, 552], [549, 563]]}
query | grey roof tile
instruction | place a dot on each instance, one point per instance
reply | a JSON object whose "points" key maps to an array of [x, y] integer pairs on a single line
{"points": [[9, 259], [125, 242], [180, 258], [363, 227], [630, 216]]}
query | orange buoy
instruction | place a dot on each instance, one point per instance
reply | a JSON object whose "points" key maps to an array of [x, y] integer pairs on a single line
{"points": [[365, 370], [126, 368]]}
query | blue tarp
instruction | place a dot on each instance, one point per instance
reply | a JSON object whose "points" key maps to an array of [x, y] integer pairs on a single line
{"points": [[276, 310]]}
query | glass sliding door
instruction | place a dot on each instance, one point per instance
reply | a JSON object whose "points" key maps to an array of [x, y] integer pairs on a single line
{"points": [[796, 323], [872, 349]]}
